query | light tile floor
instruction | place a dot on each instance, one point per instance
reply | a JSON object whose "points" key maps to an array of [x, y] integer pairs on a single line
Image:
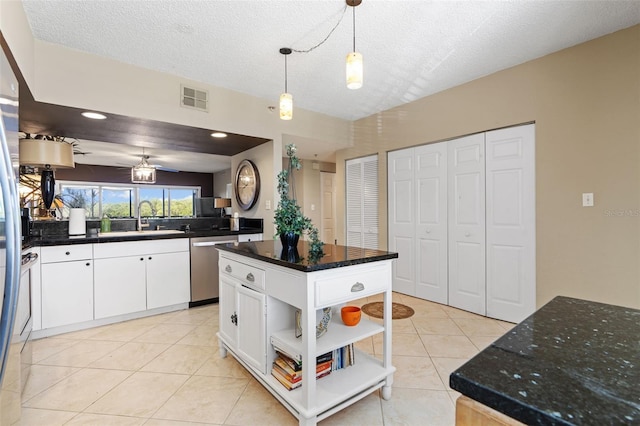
{"points": [[166, 370]]}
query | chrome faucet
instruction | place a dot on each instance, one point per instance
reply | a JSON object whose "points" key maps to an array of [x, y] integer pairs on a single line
{"points": [[153, 213]]}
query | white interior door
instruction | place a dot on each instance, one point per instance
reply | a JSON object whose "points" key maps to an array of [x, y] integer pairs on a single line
{"points": [[466, 219], [328, 207], [431, 222], [401, 212], [511, 248]]}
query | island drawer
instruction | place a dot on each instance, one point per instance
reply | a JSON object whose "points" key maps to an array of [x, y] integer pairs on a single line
{"points": [[249, 275], [350, 285], [66, 253]]}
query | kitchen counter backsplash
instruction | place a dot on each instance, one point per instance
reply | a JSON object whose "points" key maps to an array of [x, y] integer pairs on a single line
{"points": [[60, 228]]}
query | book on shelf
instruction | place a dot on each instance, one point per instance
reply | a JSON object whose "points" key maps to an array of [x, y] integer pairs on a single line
{"points": [[286, 383], [292, 363]]}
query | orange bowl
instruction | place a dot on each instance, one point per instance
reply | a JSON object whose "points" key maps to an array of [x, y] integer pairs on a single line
{"points": [[350, 315]]}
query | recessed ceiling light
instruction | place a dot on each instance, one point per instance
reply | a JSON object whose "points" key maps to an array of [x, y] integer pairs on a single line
{"points": [[94, 115], [218, 135]]}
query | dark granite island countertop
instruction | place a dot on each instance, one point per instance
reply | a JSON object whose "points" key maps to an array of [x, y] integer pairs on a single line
{"points": [[571, 362], [334, 256]]}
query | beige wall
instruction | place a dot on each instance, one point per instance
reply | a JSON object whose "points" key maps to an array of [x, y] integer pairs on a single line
{"points": [[585, 102], [267, 158]]}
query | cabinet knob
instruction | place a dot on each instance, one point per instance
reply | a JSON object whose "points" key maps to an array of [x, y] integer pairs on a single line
{"points": [[468, 234], [234, 318], [228, 268], [150, 257], [68, 253], [250, 277], [142, 258], [88, 264], [428, 231]]}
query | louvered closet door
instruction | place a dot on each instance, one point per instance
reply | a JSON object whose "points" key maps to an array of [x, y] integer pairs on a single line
{"points": [[362, 202], [354, 203], [401, 208], [511, 269], [466, 178], [431, 222]]}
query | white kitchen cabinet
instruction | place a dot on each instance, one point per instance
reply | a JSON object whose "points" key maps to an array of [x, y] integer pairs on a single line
{"points": [[140, 275], [262, 297], [66, 285], [120, 286], [242, 238], [168, 279], [242, 311]]}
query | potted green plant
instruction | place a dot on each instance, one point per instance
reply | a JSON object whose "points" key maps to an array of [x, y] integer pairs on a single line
{"points": [[288, 218]]}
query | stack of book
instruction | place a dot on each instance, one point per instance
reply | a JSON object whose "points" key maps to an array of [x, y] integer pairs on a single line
{"points": [[288, 369], [343, 357]]}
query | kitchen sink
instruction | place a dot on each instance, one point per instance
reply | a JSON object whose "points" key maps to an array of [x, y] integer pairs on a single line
{"points": [[138, 233]]}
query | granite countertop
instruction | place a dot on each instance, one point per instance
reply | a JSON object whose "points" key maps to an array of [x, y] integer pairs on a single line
{"points": [[571, 362], [334, 256], [132, 236]]}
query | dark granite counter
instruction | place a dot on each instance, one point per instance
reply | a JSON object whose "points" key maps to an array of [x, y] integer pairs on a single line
{"points": [[130, 236], [571, 362], [334, 256]]}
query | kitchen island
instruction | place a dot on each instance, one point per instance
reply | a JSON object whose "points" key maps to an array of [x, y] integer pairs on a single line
{"points": [[572, 362], [259, 296]]}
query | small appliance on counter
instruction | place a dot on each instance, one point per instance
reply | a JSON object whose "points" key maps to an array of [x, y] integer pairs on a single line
{"points": [[25, 217]]}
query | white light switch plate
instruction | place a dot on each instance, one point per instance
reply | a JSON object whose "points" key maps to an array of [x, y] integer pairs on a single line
{"points": [[587, 199]]}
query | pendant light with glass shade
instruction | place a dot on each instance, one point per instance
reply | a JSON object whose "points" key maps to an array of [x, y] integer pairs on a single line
{"points": [[355, 67], [286, 100]]}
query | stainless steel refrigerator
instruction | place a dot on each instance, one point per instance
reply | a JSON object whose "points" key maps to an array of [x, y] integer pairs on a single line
{"points": [[10, 248]]}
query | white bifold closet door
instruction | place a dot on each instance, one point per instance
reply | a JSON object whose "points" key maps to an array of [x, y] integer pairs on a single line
{"points": [[511, 232], [401, 211], [466, 175], [431, 239]]}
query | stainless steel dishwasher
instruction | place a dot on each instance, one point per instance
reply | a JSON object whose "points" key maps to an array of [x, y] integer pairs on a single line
{"points": [[204, 268]]}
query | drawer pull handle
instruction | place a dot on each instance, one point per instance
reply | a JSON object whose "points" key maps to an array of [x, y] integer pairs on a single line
{"points": [[357, 287], [250, 277], [234, 319], [228, 268], [68, 253]]}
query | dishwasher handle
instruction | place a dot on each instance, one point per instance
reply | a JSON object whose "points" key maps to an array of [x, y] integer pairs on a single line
{"points": [[211, 243]]}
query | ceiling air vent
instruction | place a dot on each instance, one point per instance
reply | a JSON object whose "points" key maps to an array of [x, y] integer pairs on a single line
{"points": [[194, 98]]}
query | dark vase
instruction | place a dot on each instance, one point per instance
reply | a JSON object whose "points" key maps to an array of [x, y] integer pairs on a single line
{"points": [[47, 187], [290, 247]]}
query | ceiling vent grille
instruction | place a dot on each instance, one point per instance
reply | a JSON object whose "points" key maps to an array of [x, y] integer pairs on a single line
{"points": [[194, 98]]}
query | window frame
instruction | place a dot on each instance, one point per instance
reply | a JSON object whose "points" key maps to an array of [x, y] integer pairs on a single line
{"points": [[61, 184]]}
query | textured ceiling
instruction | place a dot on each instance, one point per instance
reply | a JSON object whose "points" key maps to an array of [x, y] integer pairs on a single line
{"points": [[411, 49]]}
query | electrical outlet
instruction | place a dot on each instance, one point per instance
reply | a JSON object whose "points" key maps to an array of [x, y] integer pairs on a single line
{"points": [[267, 205], [587, 199]]}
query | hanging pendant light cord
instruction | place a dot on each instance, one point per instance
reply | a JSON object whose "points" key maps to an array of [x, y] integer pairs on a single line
{"points": [[354, 28], [285, 74], [328, 35]]}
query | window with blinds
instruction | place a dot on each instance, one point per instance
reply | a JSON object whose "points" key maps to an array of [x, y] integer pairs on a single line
{"points": [[362, 202]]}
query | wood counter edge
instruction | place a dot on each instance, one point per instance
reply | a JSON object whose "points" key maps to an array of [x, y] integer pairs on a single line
{"points": [[473, 413]]}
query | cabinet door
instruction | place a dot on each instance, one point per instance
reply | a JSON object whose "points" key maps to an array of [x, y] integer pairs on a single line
{"points": [[120, 286], [67, 293], [252, 328], [168, 279], [228, 311]]}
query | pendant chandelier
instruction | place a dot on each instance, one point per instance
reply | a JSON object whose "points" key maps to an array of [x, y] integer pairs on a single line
{"points": [[143, 172], [286, 100], [355, 67]]}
